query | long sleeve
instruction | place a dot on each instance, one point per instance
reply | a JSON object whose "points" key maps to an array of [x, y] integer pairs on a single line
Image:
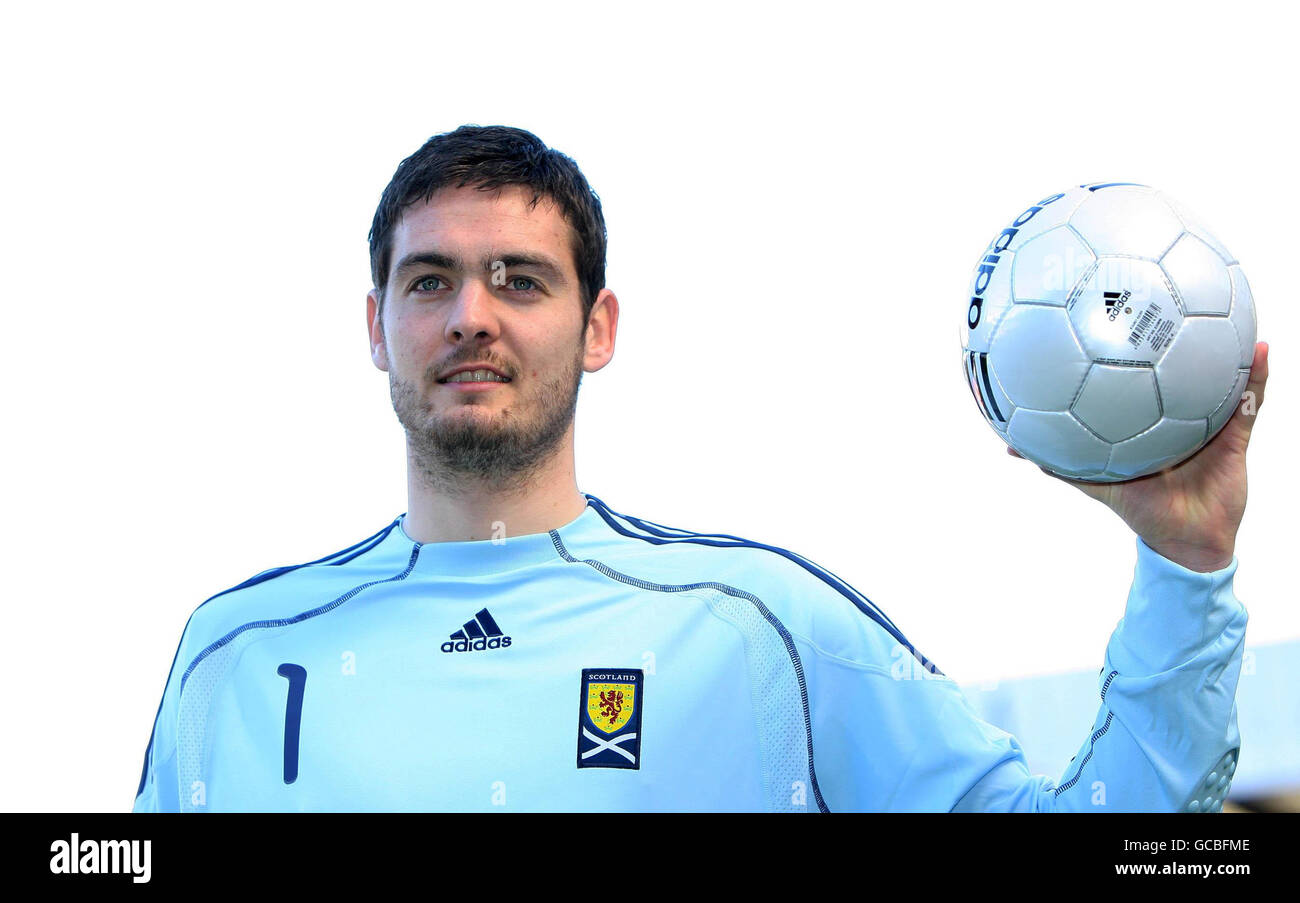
{"points": [[891, 736], [1165, 736]]}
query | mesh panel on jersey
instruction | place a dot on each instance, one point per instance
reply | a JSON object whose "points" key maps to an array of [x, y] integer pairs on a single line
{"points": [[193, 742], [778, 704]]}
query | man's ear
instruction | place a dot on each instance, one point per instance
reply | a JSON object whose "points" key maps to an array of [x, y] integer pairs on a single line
{"points": [[375, 325], [602, 328]]}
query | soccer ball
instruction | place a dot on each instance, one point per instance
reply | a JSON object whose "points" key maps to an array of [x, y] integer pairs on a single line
{"points": [[1108, 334]]}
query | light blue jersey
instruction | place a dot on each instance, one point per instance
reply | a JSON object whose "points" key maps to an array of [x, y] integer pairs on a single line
{"points": [[615, 664]]}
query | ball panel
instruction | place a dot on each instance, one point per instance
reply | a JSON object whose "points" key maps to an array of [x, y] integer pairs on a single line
{"points": [[1220, 418], [1055, 440], [1127, 219], [1037, 358], [1165, 444], [1047, 268], [1125, 312], [1117, 403], [1193, 225], [1199, 276], [1199, 369], [1242, 316]]}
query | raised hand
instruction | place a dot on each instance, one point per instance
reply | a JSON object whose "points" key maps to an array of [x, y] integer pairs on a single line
{"points": [[1190, 512]]}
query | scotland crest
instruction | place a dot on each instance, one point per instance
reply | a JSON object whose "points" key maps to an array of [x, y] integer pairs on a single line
{"points": [[609, 718]]}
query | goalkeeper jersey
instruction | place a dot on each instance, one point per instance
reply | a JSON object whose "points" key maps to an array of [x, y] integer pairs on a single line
{"points": [[616, 664]]}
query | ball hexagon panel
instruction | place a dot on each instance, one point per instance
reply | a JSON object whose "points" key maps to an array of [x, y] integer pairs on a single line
{"points": [[1037, 358], [1047, 268], [1220, 417], [1193, 225], [1199, 275], [989, 305], [1243, 315], [1055, 440], [1127, 220], [1125, 312], [1166, 443], [1199, 369], [1117, 403]]}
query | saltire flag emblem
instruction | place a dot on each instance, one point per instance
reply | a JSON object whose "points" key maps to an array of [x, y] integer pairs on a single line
{"points": [[609, 718]]}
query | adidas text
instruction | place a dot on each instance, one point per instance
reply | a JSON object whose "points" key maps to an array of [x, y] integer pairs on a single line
{"points": [[479, 633], [482, 643]]}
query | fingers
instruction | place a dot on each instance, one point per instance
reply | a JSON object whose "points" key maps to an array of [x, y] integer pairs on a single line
{"points": [[1243, 421]]}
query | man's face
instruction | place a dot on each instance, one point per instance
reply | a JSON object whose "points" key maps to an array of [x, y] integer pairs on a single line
{"points": [[479, 279]]}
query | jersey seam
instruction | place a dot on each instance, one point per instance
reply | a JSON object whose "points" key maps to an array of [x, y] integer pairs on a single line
{"points": [[296, 619], [723, 540], [357, 549], [1092, 741], [618, 576], [765, 758], [599, 567]]}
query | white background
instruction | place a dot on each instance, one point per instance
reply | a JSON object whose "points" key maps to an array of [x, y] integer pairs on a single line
{"points": [[795, 196]]}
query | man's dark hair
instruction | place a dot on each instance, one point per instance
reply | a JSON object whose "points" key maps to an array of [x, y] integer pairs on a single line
{"points": [[488, 158]]}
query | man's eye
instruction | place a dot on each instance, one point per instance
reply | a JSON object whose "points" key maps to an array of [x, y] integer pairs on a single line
{"points": [[423, 284], [522, 283]]}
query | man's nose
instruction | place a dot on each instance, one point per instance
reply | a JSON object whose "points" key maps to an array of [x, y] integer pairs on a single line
{"points": [[472, 315]]}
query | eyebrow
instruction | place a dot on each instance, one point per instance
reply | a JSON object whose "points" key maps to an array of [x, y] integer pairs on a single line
{"points": [[544, 265], [428, 259]]}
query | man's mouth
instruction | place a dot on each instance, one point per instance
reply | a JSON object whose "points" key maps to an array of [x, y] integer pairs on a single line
{"points": [[475, 376]]}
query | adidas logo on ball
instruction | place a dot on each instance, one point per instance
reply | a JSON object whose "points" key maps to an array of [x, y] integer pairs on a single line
{"points": [[479, 634], [1115, 302]]}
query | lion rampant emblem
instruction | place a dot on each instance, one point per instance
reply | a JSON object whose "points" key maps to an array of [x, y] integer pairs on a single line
{"points": [[611, 704]]}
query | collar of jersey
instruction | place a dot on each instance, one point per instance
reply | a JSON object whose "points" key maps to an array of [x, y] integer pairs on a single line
{"points": [[483, 557]]}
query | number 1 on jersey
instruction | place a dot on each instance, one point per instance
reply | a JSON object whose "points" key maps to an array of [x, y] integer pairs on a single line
{"points": [[297, 677]]}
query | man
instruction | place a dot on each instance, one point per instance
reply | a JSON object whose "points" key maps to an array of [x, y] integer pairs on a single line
{"points": [[511, 643]]}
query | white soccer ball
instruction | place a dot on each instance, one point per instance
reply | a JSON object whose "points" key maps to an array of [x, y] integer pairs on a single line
{"points": [[1108, 335]]}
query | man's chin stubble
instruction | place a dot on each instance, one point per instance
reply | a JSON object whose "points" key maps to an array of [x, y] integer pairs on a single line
{"points": [[457, 458]]}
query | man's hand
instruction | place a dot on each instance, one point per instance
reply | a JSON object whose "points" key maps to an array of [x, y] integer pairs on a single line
{"points": [[1190, 513]]}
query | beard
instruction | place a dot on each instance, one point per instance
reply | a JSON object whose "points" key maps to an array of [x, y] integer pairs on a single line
{"points": [[502, 450]]}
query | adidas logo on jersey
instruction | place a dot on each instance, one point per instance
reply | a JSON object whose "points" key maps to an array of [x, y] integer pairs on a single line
{"points": [[479, 633]]}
